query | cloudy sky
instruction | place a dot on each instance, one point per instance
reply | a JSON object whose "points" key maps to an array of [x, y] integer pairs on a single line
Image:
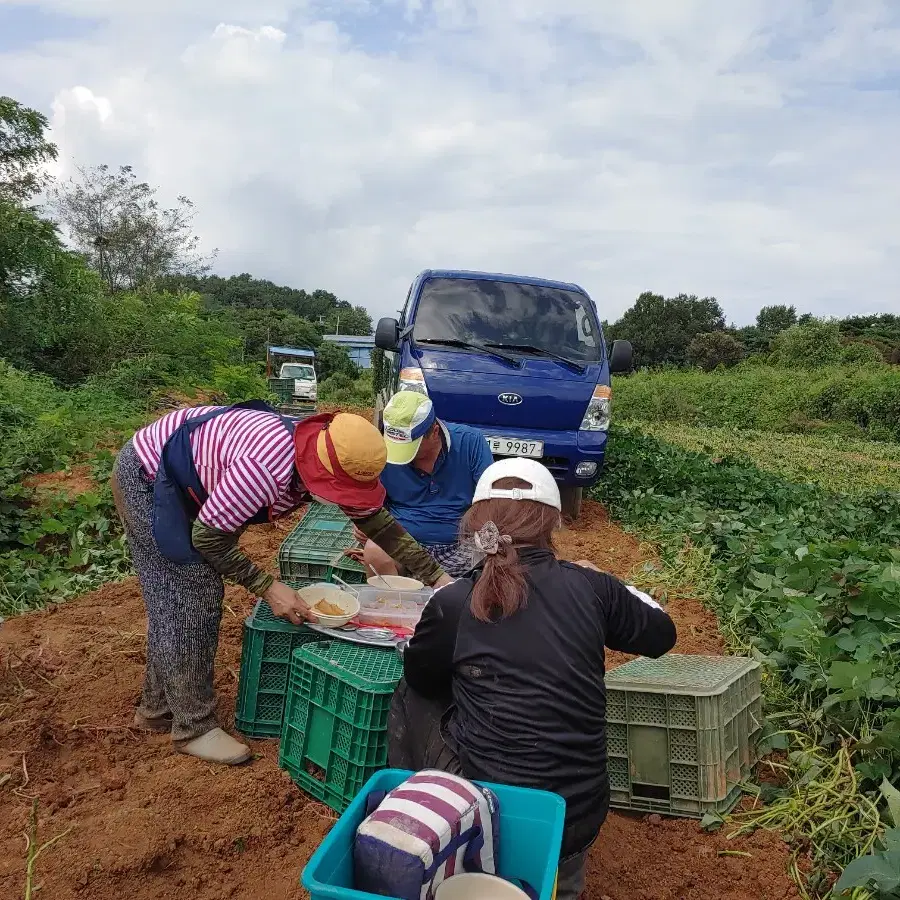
{"points": [[741, 149]]}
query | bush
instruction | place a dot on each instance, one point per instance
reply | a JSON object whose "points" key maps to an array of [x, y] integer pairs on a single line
{"points": [[814, 344], [714, 349], [233, 384], [342, 390], [332, 359], [861, 355], [756, 396]]}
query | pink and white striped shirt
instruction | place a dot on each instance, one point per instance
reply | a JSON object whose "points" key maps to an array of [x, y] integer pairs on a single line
{"points": [[245, 460]]}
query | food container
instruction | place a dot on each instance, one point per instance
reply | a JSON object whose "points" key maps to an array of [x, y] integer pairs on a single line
{"points": [[332, 594], [391, 609], [396, 582]]}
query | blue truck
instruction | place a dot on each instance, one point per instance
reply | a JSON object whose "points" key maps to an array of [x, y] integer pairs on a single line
{"points": [[522, 359]]}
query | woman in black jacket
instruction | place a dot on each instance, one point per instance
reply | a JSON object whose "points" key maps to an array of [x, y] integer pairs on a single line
{"points": [[503, 678]]}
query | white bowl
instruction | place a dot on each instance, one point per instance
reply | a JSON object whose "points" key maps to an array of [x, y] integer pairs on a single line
{"points": [[395, 583], [476, 886], [313, 593]]}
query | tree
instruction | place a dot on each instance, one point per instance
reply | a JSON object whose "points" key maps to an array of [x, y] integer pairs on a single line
{"points": [[23, 150], [50, 310], [333, 359], [117, 224], [661, 329], [772, 320], [263, 327], [321, 308], [347, 319], [754, 340], [714, 349]]}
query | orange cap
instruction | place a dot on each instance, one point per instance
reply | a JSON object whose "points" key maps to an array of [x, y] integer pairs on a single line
{"points": [[339, 458]]}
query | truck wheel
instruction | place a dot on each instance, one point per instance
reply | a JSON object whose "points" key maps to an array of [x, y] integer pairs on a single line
{"points": [[571, 498]]}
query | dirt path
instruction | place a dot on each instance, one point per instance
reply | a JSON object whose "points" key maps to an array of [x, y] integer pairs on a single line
{"points": [[148, 824]]}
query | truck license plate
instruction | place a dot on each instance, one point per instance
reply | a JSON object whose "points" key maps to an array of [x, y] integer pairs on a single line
{"points": [[502, 446]]}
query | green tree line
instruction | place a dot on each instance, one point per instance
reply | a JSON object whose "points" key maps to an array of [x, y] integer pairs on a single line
{"points": [[688, 330], [127, 295]]}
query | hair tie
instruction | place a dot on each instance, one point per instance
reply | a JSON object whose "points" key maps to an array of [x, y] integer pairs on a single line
{"points": [[488, 539]]}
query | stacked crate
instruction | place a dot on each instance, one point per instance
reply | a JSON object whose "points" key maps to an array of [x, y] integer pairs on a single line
{"points": [[265, 664], [334, 735], [682, 732], [314, 551]]}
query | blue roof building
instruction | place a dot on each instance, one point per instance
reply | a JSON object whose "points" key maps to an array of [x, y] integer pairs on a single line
{"points": [[359, 346]]}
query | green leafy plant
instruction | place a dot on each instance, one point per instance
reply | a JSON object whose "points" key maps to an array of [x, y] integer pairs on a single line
{"points": [[807, 580], [881, 868]]}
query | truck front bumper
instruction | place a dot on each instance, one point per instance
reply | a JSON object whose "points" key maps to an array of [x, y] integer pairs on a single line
{"points": [[564, 451]]}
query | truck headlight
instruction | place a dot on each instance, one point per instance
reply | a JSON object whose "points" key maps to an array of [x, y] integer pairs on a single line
{"points": [[596, 417], [412, 379]]}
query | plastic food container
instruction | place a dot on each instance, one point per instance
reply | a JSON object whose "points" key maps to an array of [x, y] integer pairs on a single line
{"points": [[391, 609]]}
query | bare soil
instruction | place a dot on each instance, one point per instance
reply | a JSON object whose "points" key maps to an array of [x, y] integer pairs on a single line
{"points": [[143, 822], [69, 482]]}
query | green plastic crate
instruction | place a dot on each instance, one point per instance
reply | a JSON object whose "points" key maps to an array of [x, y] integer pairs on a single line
{"points": [[265, 666], [314, 550], [682, 732], [334, 736], [282, 388]]}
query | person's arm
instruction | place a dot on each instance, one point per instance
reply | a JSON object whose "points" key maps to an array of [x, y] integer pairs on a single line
{"points": [[635, 622], [428, 659], [385, 531], [220, 549], [244, 488]]}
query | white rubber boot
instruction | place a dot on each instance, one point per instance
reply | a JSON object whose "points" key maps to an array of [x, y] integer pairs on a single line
{"points": [[216, 746]]}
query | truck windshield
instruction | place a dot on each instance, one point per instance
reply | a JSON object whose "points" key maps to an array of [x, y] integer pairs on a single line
{"points": [[294, 370], [507, 314]]}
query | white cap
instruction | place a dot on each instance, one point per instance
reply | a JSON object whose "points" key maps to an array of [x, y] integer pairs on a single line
{"points": [[543, 485]]}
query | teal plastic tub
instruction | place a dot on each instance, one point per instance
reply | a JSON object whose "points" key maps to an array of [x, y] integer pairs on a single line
{"points": [[531, 830]]}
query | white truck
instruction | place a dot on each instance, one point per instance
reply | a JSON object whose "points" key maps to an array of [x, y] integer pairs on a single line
{"points": [[304, 375]]}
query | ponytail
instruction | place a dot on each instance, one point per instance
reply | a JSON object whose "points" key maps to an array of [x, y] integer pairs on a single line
{"points": [[497, 527], [500, 588]]}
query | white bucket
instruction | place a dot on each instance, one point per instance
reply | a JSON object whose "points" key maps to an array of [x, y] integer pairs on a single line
{"points": [[474, 886]]}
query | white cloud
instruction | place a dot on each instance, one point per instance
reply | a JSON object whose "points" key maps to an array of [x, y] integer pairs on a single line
{"points": [[742, 150]]}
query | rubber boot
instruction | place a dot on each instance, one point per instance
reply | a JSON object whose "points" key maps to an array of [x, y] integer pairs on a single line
{"points": [[216, 746]]}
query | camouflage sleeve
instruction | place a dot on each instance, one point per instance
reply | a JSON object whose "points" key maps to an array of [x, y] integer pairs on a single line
{"points": [[220, 549], [383, 529]]}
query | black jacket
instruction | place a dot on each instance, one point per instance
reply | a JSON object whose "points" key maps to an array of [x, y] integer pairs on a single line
{"points": [[527, 692]]}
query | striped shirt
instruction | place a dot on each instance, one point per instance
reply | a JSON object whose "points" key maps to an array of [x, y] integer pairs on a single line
{"points": [[244, 458]]}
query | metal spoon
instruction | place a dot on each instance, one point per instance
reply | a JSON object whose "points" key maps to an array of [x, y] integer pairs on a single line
{"points": [[371, 568], [351, 589]]}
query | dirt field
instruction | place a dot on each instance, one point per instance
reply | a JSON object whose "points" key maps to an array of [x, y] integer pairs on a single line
{"points": [[142, 822]]}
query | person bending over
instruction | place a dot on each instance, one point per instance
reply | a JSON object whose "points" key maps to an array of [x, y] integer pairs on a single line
{"points": [[187, 487], [504, 675]]}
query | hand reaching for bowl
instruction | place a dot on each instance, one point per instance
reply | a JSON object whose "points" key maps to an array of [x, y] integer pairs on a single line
{"points": [[286, 604]]}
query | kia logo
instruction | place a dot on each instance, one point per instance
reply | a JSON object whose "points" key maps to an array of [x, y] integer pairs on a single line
{"points": [[509, 399]]}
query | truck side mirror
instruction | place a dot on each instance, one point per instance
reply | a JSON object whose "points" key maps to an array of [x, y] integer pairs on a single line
{"points": [[621, 357], [387, 334]]}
